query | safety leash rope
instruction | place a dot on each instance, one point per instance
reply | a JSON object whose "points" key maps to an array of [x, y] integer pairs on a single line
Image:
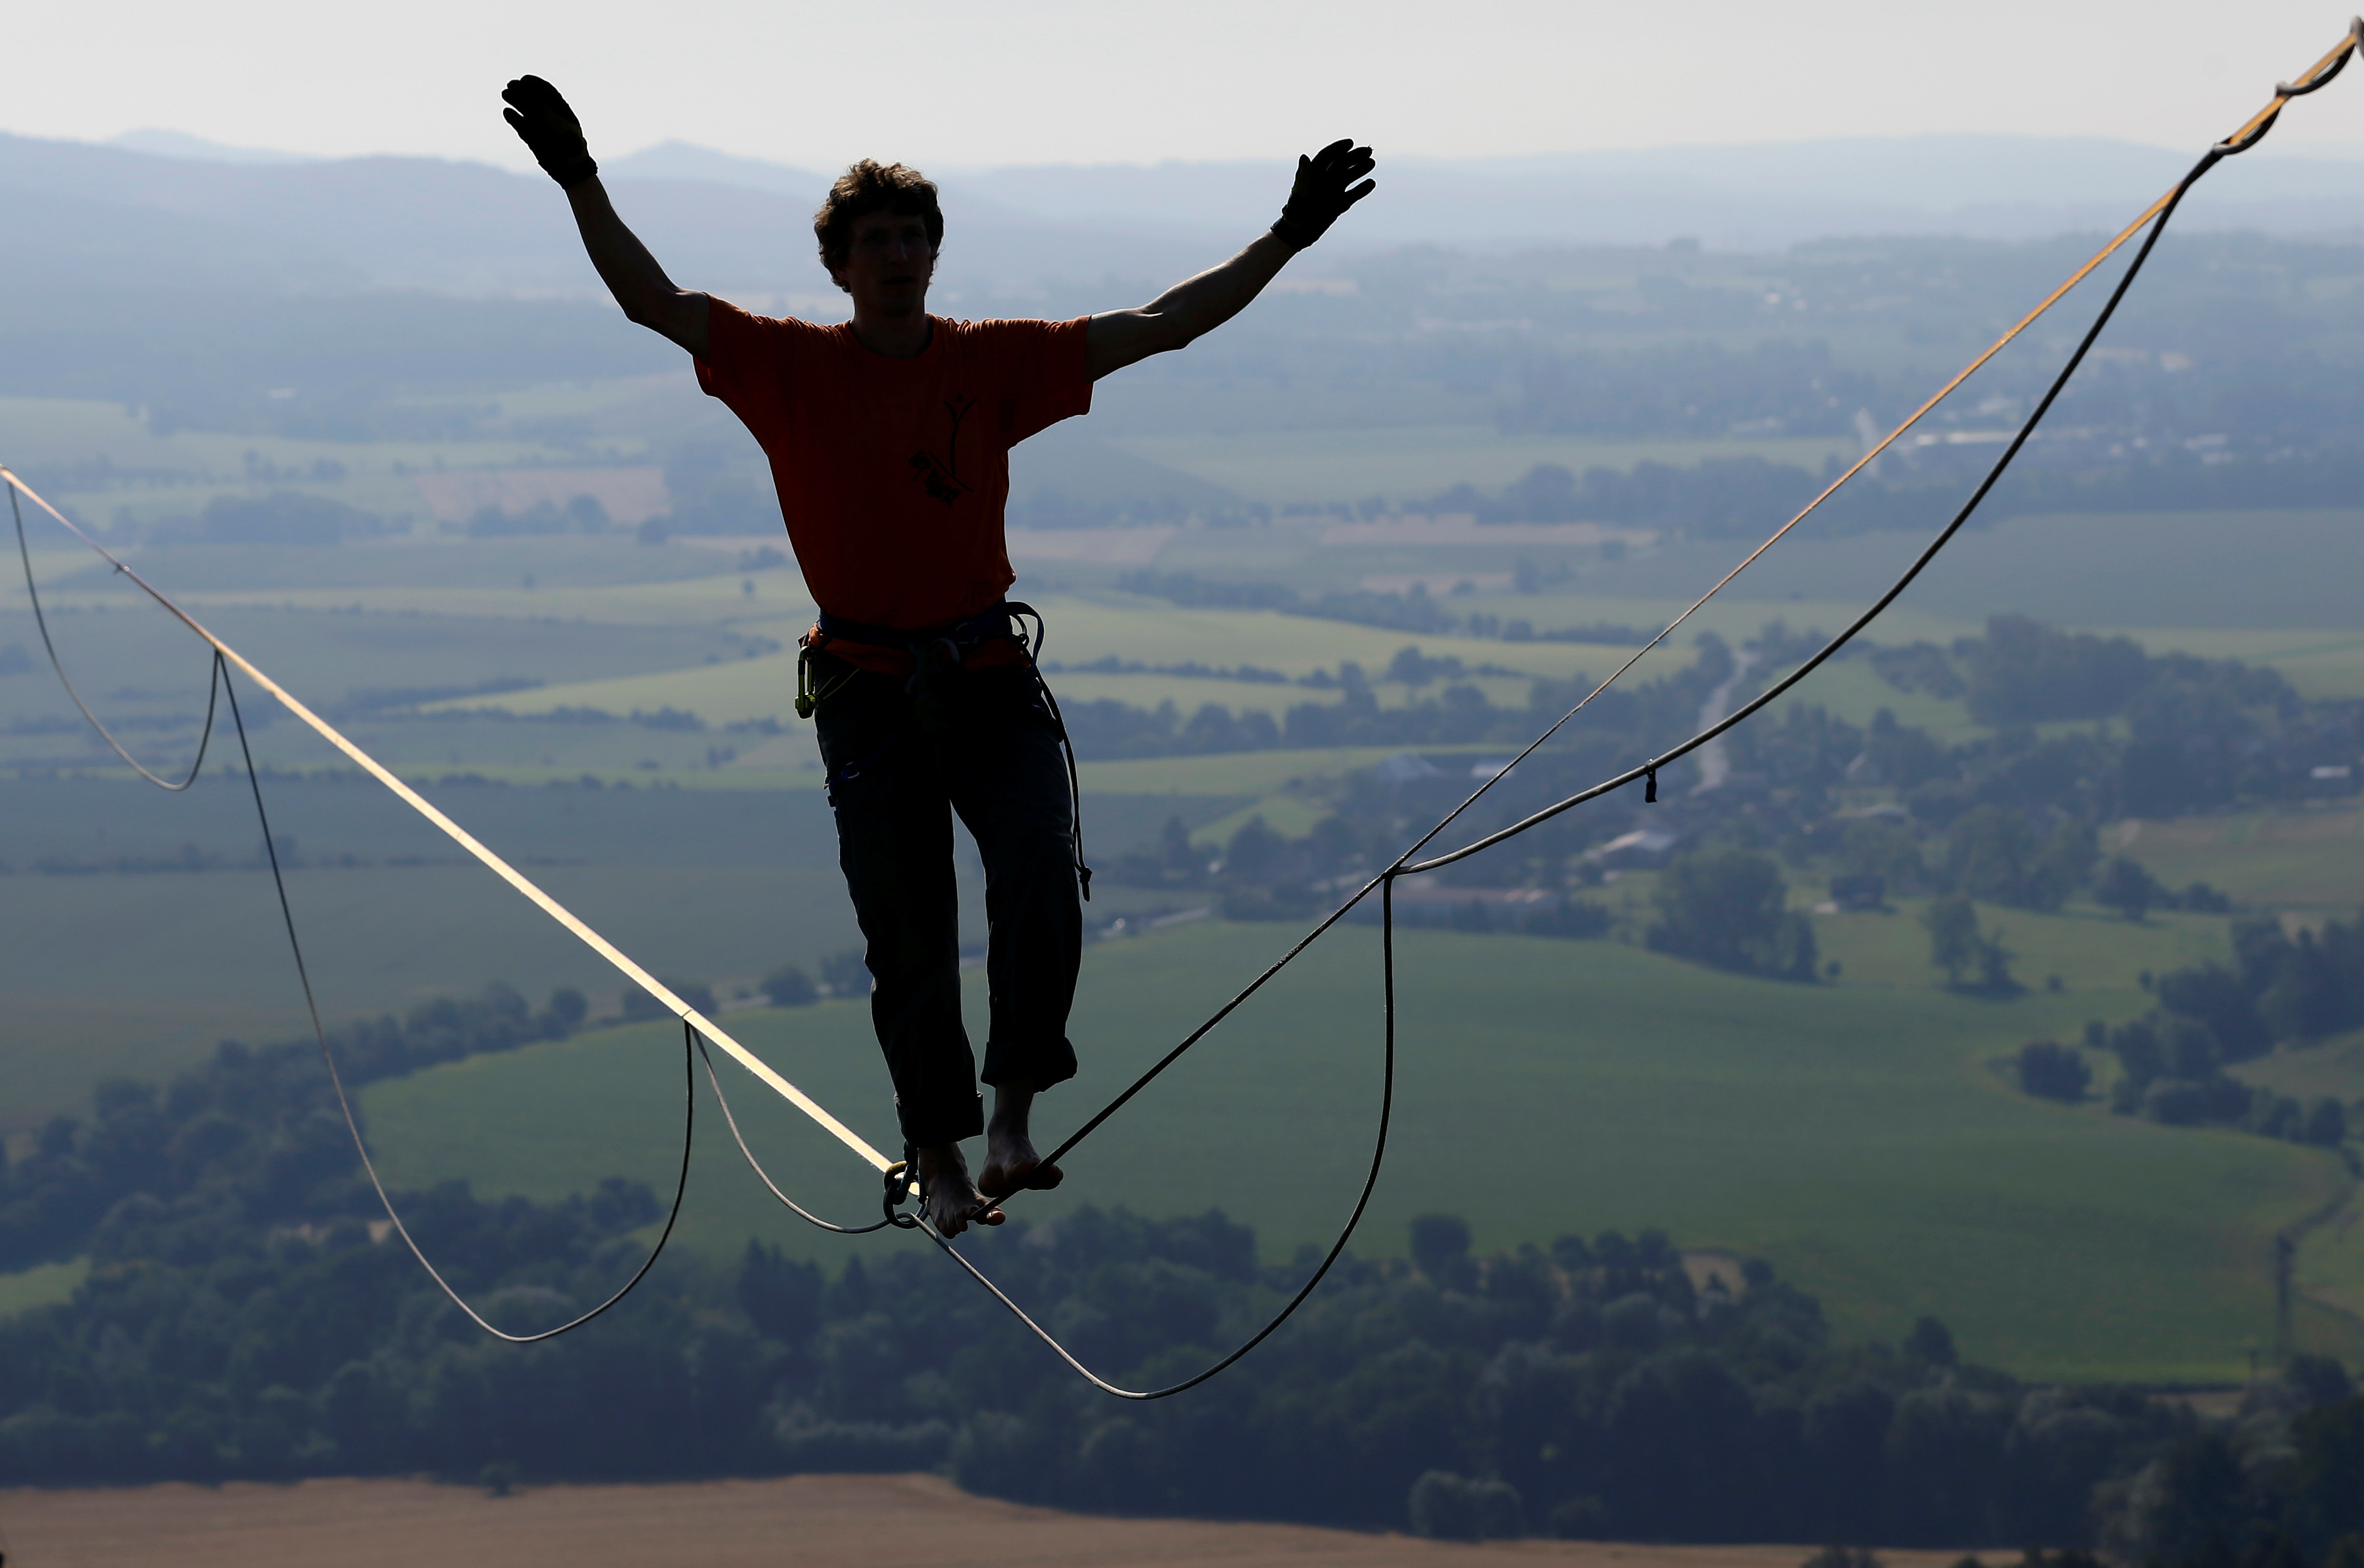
{"points": [[892, 1173], [695, 1025], [1337, 1248], [353, 1123], [2156, 217], [1018, 611], [2240, 141]]}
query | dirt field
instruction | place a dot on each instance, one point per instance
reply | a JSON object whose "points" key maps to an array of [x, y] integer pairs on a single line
{"points": [[876, 1521]]}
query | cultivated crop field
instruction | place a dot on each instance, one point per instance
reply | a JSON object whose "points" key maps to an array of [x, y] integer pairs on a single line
{"points": [[2310, 860], [138, 974], [1859, 1136], [1402, 465], [1864, 1133], [859, 1521]]}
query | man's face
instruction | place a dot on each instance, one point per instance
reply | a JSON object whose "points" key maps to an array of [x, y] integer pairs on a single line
{"points": [[889, 263]]}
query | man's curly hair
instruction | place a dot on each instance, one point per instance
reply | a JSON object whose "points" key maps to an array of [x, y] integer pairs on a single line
{"points": [[872, 186]]}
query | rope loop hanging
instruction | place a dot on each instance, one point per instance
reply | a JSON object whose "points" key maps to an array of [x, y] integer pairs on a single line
{"points": [[765, 1176], [353, 1123], [217, 673]]}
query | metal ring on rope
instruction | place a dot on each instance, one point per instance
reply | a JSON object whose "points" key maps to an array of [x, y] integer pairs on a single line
{"points": [[2322, 76]]}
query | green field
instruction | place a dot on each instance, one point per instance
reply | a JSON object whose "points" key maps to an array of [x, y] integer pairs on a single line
{"points": [[1145, 631], [2174, 572], [43, 1284], [2310, 860], [109, 974], [2319, 663], [2334, 1066], [1253, 774], [41, 430], [1860, 1134], [1321, 466], [145, 972], [1856, 1135]]}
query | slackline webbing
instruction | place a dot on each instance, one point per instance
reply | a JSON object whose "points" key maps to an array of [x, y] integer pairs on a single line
{"points": [[458, 835], [219, 682], [696, 1029]]}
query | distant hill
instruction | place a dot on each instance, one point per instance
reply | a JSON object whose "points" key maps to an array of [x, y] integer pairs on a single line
{"points": [[181, 144], [170, 202], [1765, 195], [472, 230]]}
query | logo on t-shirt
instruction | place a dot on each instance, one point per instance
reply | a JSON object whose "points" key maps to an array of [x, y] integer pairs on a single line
{"points": [[942, 479]]}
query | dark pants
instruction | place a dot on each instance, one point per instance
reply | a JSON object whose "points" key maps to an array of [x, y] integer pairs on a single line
{"points": [[988, 750]]}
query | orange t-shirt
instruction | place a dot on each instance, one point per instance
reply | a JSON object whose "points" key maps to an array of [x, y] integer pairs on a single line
{"points": [[892, 473]]}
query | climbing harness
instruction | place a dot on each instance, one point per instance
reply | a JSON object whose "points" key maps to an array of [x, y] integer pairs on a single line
{"points": [[897, 1176], [939, 660]]}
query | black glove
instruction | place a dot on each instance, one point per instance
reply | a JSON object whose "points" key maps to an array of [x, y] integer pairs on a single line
{"points": [[1322, 192], [543, 122]]}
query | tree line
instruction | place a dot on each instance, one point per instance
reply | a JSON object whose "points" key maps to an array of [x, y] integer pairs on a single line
{"points": [[2008, 819], [244, 1317], [2188, 734], [1746, 497], [2280, 989], [252, 1127]]}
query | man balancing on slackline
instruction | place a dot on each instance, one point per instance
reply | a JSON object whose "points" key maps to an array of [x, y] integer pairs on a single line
{"points": [[889, 439]]}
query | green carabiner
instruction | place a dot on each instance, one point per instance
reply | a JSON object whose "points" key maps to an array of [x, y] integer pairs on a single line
{"points": [[808, 696]]}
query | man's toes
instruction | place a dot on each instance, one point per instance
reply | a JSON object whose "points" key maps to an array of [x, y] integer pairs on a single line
{"points": [[1043, 1178], [951, 1225], [951, 1215]]}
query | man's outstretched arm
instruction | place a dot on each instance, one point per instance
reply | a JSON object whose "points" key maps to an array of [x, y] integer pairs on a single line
{"points": [[542, 119], [1325, 188], [632, 274]]}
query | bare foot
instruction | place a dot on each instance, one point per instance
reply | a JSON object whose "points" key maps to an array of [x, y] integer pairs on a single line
{"points": [[951, 1202], [1011, 1162]]}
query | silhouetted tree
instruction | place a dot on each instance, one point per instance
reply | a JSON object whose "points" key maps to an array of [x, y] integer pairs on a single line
{"points": [[1440, 1245], [1730, 908], [2053, 1071], [789, 986], [2129, 889]]}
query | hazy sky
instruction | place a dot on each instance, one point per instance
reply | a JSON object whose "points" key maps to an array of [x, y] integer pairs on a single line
{"points": [[973, 82]]}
